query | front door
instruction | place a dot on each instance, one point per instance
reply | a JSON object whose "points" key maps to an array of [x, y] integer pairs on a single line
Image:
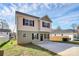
{"points": [[41, 37]]}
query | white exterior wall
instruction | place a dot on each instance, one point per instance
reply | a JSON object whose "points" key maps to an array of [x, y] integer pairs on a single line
{"points": [[70, 36], [4, 35], [58, 34]]}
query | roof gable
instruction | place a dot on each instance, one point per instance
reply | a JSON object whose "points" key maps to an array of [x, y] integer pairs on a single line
{"points": [[46, 18]]}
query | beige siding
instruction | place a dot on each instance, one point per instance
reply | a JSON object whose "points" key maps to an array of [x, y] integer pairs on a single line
{"points": [[28, 38], [43, 28], [37, 24], [27, 28], [23, 40], [39, 40]]}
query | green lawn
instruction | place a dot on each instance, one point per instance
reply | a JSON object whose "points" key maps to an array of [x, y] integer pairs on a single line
{"points": [[12, 49], [71, 42], [74, 42]]}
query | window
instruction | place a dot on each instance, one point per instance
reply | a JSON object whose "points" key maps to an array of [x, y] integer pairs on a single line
{"points": [[32, 36], [31, 22], [48, 36], [41, 37], [28, 22], [24, 35], [44, 36], [25, 22], [45, 24], [35, 36]]}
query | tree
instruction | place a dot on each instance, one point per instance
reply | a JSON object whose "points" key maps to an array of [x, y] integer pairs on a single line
{"points": [[73, 26], [58, 28]]}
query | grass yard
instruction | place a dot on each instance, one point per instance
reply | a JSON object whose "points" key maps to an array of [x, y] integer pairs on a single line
{"points": [[12, 49], [70, 42], [73, 42]]}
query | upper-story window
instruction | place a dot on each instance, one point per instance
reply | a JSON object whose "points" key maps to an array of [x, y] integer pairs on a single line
{"points": [[28, 22], [44, 24], [31, 22]]}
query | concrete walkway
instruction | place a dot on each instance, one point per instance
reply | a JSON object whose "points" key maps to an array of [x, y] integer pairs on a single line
{"points": [[64, 49]]}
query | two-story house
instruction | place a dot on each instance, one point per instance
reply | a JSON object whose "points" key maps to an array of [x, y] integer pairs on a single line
{"points": [[32, 28]]}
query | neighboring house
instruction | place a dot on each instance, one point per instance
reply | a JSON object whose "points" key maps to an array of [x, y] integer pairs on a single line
{"points": [[63, 35], [3, 24], [4, 30], [5, 34], [32, 28]]}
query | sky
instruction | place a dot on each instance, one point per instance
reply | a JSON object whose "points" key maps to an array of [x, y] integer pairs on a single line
{"points": [[62, 14]]}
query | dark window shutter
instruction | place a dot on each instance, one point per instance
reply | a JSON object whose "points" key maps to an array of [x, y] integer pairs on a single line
{"points": [[48, 36], [48, 25], [42, 24], [23, 21], [33, 23], [37, 36], [32, 36]]}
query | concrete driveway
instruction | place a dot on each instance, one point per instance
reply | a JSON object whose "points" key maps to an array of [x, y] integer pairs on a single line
{"points": [[64, 49]]}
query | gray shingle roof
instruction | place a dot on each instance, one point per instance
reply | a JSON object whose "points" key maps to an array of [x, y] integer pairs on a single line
{"points": [[46, 18], [26, 14], [63, 31]]}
